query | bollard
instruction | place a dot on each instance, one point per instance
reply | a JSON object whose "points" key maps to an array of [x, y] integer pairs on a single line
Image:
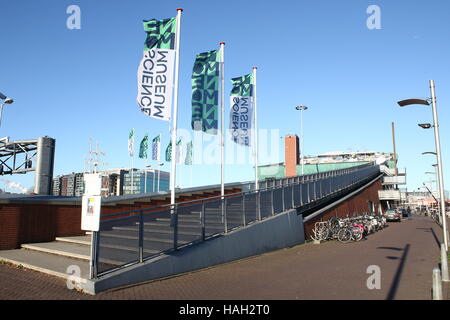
{"points": [[437, 285], [444, 263]]}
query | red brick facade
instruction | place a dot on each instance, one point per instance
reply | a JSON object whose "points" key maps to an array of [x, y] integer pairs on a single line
{"points": [[357, 204], [291, 156], [29, 223]]}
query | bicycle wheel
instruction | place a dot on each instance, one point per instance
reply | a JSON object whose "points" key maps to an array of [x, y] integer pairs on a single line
{"points": [[357, 235], [344, 235]]}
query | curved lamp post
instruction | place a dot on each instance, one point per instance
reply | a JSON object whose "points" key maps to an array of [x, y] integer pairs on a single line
{"points": [[6, 100], [427, 102]]}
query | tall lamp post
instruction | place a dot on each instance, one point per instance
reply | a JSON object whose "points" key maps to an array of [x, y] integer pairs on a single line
{"points": [[438, 149], [431, 181], [436, 171], [301, 109], [6, 100]]}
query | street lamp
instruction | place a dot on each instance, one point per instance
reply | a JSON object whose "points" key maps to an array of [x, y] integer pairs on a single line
{"points": [[6, 100], [438, 149], [436, 171], [425, 125], [301, 109]]}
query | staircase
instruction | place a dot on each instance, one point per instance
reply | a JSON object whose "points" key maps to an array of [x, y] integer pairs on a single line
{"points": [[119, 245]]}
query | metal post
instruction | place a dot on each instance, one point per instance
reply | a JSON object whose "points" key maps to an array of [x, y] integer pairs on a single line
{"points": [[203, 218], [1, 112], [437, 284], [222, 119], [141, 236], [273, 205], [243, 209], [439, 158], [301, 142], [94, 257], [224, 212], [174, 218], [395, 151], [258, 206], [444, 263], [173, 173], [293, 193], [255, 141], [282, 198]]}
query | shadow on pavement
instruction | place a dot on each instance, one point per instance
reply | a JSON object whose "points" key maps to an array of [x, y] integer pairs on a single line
{"points": [[398, 274], [438, 242], [390, 248]]}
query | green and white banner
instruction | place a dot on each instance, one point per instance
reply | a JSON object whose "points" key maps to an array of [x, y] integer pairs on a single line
{"points": [[241, 109], [156, 142], [143, 147], [156, 69], [205, 92], [131, 143]]}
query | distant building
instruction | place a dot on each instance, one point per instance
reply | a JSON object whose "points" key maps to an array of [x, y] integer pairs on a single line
{"points": [[292, 165], [70, 185], [115, 182], [145, 181]]}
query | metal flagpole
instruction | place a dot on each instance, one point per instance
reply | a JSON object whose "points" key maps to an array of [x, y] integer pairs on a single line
{"points": [[222, 109], [158, 158], [132, 164], [175, 112], [255, 141], [145, 176]]}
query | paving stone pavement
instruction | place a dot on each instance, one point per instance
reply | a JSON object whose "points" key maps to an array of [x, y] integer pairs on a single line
{"points": [[405, 252]]}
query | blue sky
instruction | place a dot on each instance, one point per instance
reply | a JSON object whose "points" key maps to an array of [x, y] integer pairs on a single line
{"points": [[76, 84]]}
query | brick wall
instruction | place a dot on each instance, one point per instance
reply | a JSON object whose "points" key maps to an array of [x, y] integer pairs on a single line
{"points": [[354, 205], [28, 223]]}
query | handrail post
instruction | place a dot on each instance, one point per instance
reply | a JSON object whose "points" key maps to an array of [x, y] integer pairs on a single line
{"points": [[202, 221], [224, 212], [293, 201], [273, 205], [141, 236], [93, 271], [243, 209], [282, 198], [258, 206], [174, 218]]}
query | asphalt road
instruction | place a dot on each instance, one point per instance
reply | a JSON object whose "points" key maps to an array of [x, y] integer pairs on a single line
{"points": [[405, 253]]}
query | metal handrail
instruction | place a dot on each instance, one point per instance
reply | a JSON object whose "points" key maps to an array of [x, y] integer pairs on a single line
{"points": [[240, 193], [319, 192]]}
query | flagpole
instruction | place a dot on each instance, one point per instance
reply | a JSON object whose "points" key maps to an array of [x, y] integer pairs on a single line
{"points": [[255, 143], [175, 111], [159, 159], [222, 110], [132, 163]]}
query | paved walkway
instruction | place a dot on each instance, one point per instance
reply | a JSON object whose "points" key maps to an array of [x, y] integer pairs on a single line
{"points": [[405, 252]]}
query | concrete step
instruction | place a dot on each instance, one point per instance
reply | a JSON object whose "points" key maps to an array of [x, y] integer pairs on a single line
{"points": [[67, 249], [83, 240], [55, 265], [115, 252]]}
